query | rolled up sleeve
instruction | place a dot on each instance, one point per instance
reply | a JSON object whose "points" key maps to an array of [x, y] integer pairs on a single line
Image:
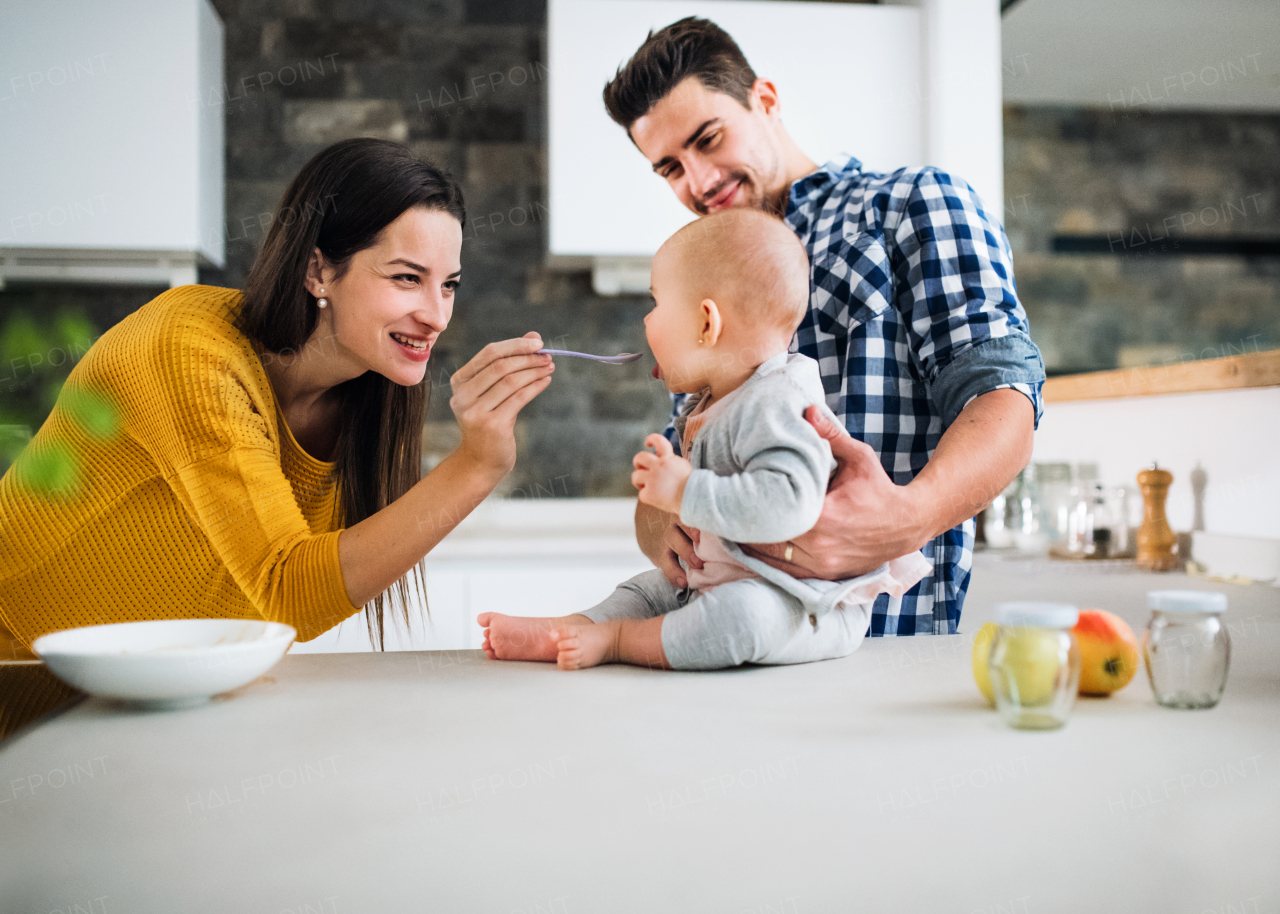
{"points": [[1011, 361]]}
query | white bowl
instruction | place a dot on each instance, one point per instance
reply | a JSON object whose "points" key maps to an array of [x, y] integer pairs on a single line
{"points": [[170, 663]]}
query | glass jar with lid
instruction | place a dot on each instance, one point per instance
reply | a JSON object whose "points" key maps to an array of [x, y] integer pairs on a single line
{"points": [[1186, 647], [1034, 664]]}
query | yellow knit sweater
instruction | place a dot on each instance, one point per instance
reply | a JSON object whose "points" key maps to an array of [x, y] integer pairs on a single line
{"points": [[200, 505]]}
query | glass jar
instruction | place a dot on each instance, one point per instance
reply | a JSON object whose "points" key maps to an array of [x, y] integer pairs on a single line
{"points": [[1054, 483], [1034, 664], [998, 521], [1027, 535], [1186, 647]]}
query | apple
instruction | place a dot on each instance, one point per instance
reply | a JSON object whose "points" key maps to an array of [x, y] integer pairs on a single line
{"points": [[1108, 652], [1025, 662], [981, 650]]}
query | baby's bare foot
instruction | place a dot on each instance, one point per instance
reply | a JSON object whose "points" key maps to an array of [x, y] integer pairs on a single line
{"points": [[582, 646], [518, 637]]}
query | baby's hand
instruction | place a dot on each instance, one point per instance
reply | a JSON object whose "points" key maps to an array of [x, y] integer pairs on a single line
{"points": [[661, 477]]}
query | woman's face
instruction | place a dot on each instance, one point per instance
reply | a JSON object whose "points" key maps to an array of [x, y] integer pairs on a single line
{"points": [[395, 298]]}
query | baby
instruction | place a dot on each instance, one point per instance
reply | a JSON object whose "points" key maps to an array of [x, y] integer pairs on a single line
{"points": [[730, 290]]}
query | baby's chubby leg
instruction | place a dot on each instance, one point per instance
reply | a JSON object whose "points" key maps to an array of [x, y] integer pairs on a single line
{"points": [[634, 641], [523, 638], [726, 626], [752, 621]]}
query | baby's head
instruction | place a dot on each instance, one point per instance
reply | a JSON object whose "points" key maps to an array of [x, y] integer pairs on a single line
{"points": [[729, 291]]}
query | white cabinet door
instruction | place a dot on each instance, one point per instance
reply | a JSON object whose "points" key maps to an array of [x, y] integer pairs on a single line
{"points": [[113, 116], [458, 592], [863, 96], [555, 588]]}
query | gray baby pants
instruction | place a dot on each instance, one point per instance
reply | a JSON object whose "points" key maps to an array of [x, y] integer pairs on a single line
{"points": [[747, 621]]}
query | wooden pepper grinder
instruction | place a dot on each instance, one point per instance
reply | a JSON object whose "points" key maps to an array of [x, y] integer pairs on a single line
{"points": [[1155, 538]]}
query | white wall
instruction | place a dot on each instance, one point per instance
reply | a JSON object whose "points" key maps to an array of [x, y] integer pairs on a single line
{"points": [[1234, 435], [1145, 54], [963, 111]]}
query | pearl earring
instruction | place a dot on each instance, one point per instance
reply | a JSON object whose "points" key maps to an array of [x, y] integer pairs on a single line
{"points": [[324, 302]]}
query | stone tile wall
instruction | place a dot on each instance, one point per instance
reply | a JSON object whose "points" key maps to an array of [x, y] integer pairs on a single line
{"points": [[1145, 181]]}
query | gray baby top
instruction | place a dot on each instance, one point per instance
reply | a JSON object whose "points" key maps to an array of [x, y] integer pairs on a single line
{"points": [[760, 471]]}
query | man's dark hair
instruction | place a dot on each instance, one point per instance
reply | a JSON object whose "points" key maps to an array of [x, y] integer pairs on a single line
{"points": [[690, 47]]}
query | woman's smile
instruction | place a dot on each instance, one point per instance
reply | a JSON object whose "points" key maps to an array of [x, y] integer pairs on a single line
{"points": [[415, 348]]}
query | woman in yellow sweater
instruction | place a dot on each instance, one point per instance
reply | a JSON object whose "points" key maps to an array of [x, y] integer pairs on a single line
{"points": [[264, 458]]}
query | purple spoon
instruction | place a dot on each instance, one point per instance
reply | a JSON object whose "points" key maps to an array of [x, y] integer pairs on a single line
{"points": [[621, 358]]}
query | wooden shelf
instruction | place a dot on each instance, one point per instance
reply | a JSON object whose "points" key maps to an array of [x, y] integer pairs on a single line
{"points": [[1255, 369]]}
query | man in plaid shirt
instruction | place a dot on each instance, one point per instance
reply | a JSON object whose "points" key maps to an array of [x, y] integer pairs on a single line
{"points": [[913, 320]]}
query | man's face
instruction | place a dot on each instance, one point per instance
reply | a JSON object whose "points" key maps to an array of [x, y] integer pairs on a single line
{"points": [[714, 153]]}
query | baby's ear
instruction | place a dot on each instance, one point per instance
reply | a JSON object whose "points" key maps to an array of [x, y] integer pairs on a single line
{"points": [[712, 325]]}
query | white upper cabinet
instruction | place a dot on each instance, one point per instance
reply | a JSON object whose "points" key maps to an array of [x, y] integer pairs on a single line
{"points": [[111, 168], [891, 85]]}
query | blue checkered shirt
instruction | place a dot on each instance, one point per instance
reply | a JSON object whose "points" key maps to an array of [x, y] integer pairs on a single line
{"points": [[912, 314]]}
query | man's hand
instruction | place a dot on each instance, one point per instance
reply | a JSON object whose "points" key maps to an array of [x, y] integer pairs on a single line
{"points": [[866, 519], [660, 477], [665, 542], [678, 543]]}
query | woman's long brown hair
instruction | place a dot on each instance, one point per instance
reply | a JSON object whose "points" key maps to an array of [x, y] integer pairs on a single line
{"points": [[340, 202]]}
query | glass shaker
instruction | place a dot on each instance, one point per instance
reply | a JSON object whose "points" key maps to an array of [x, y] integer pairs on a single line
{"points": [[1079, 523], [1186, 647], [1124, 527], [1034, 664], [1097, 526]]}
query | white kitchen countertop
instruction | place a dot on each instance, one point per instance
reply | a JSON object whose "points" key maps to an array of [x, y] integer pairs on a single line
{"points": [[440, 781]]}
